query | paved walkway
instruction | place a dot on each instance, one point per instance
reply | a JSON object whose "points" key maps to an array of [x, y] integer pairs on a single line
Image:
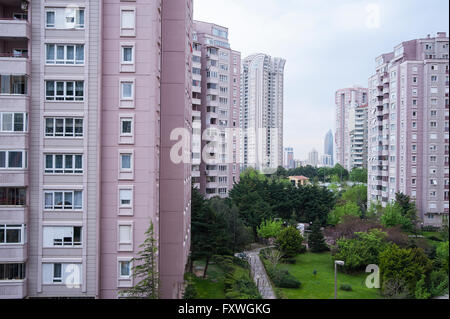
{"points": [[259, 275]]}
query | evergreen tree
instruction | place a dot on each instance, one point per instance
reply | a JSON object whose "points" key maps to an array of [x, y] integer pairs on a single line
{"points": [[145, 270], [316, 241]]}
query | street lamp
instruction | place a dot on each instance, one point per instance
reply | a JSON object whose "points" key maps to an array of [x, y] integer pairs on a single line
{"points": [[336, 263]]}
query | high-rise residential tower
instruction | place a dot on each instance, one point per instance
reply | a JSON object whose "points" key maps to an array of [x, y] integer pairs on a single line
{"points": [[408, 126], [313, 158], [328, 149], [351, 127], [288, 158], [88, 101], [261, 119], [216, 103]]}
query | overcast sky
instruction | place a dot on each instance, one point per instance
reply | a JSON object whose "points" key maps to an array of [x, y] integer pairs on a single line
{"points": [[328, 45]]}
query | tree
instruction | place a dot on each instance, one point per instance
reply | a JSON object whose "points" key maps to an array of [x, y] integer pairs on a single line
{"points": [[145, 269], [289, 241], [209, 231], [316, 241], [421, 291], [273, 256], [392, 216], [362, 250], [408, 207], [403, 266], [337, 214], [270, 228], [442, 256], [358, 195], [359, 175]]}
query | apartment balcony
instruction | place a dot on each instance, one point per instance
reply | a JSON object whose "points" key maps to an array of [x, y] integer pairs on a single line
{"points": [[13, 63], [196, 89], [14, 178], [195, 173], [13, 289], [212, 185], [13, 253], [213, 103], [211, 173], [14, 28], [196, 77], [14, 214], [196, 101]]}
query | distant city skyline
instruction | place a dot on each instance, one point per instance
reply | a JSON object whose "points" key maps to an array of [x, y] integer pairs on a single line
{"points": [[341, 42]]}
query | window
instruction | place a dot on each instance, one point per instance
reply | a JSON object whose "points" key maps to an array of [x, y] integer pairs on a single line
{"points": [[13, 122], [127, 90], [126, 162], [12, 196], [13, 159], [61, 273], [64, 90], [57, 236], [126, 126], [13, 84], [127, 22], [63, 164], [65, 18], [64, 54], [12, 271], [125, 234], [126, 198], [125, 269], [127, 54], [63, 127], [63, 200], [12, 234]]}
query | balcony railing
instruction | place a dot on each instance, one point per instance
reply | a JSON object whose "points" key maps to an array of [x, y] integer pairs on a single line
{"points": [[13, 55]]}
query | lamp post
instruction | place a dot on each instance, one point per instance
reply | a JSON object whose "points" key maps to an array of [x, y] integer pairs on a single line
{"points": [[336, 263]]}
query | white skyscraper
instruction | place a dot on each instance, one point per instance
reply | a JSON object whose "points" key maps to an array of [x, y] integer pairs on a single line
{"points": [[262, 112]]}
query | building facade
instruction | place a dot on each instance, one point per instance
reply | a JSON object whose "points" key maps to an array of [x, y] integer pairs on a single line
{"points": [[328, 149], [351, 127], [288, 157], [261, 118], [88, 101], [216, 103], [313, 158], [408, 127]]}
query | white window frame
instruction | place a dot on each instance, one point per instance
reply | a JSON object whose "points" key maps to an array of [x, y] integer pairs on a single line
{"points": [[64, 133], [65, 60], [126, 188], [127, 31], [130, 267], [6, 160], [65, 97], [121, 168], [62, 207], [13, 122], [63, 170], [125, 118], [60, 242], [22, 229]]}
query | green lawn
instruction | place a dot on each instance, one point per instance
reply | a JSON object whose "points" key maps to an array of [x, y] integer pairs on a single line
{"points": [[321, 286], [213, 286]]}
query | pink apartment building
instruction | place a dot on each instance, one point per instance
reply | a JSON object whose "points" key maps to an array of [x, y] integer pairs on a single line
{"points": [[89, 94], [408, 127], [351, 127], [216, 104]]}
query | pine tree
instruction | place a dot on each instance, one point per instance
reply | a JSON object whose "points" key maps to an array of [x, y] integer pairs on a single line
{"points": [[145, 270], [316, 241]]}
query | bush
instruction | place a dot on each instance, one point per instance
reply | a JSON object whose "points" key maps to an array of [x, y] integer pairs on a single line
{"points": [[289, 242], [190, 292], [233, 295], [439, 283], [282, 278], [430, 228], [346, 287], [290, 261], [421, 291]]}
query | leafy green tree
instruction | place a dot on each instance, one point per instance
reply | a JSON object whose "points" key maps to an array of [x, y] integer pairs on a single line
{"points": [[144, 269], [392, 216], [358, 195], [408, 207], [403, 266], [422, 291], [359, 175], [270, 228], [362, 250], [190, 292], [442, 255], [289, 241], [337, 214], [341, 172], [316, 241], [209, 235]]}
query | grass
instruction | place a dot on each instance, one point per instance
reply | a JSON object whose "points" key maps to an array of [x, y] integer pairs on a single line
{"points": [[321, 286], [212, 287]]}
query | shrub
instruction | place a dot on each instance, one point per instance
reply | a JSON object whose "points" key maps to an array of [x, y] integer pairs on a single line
{"points": [[270, 228], [190, 292], [283, 279], [421, 291], [442, 254], [233, 295], [346, 287], [439, 283], [289, 242]]}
